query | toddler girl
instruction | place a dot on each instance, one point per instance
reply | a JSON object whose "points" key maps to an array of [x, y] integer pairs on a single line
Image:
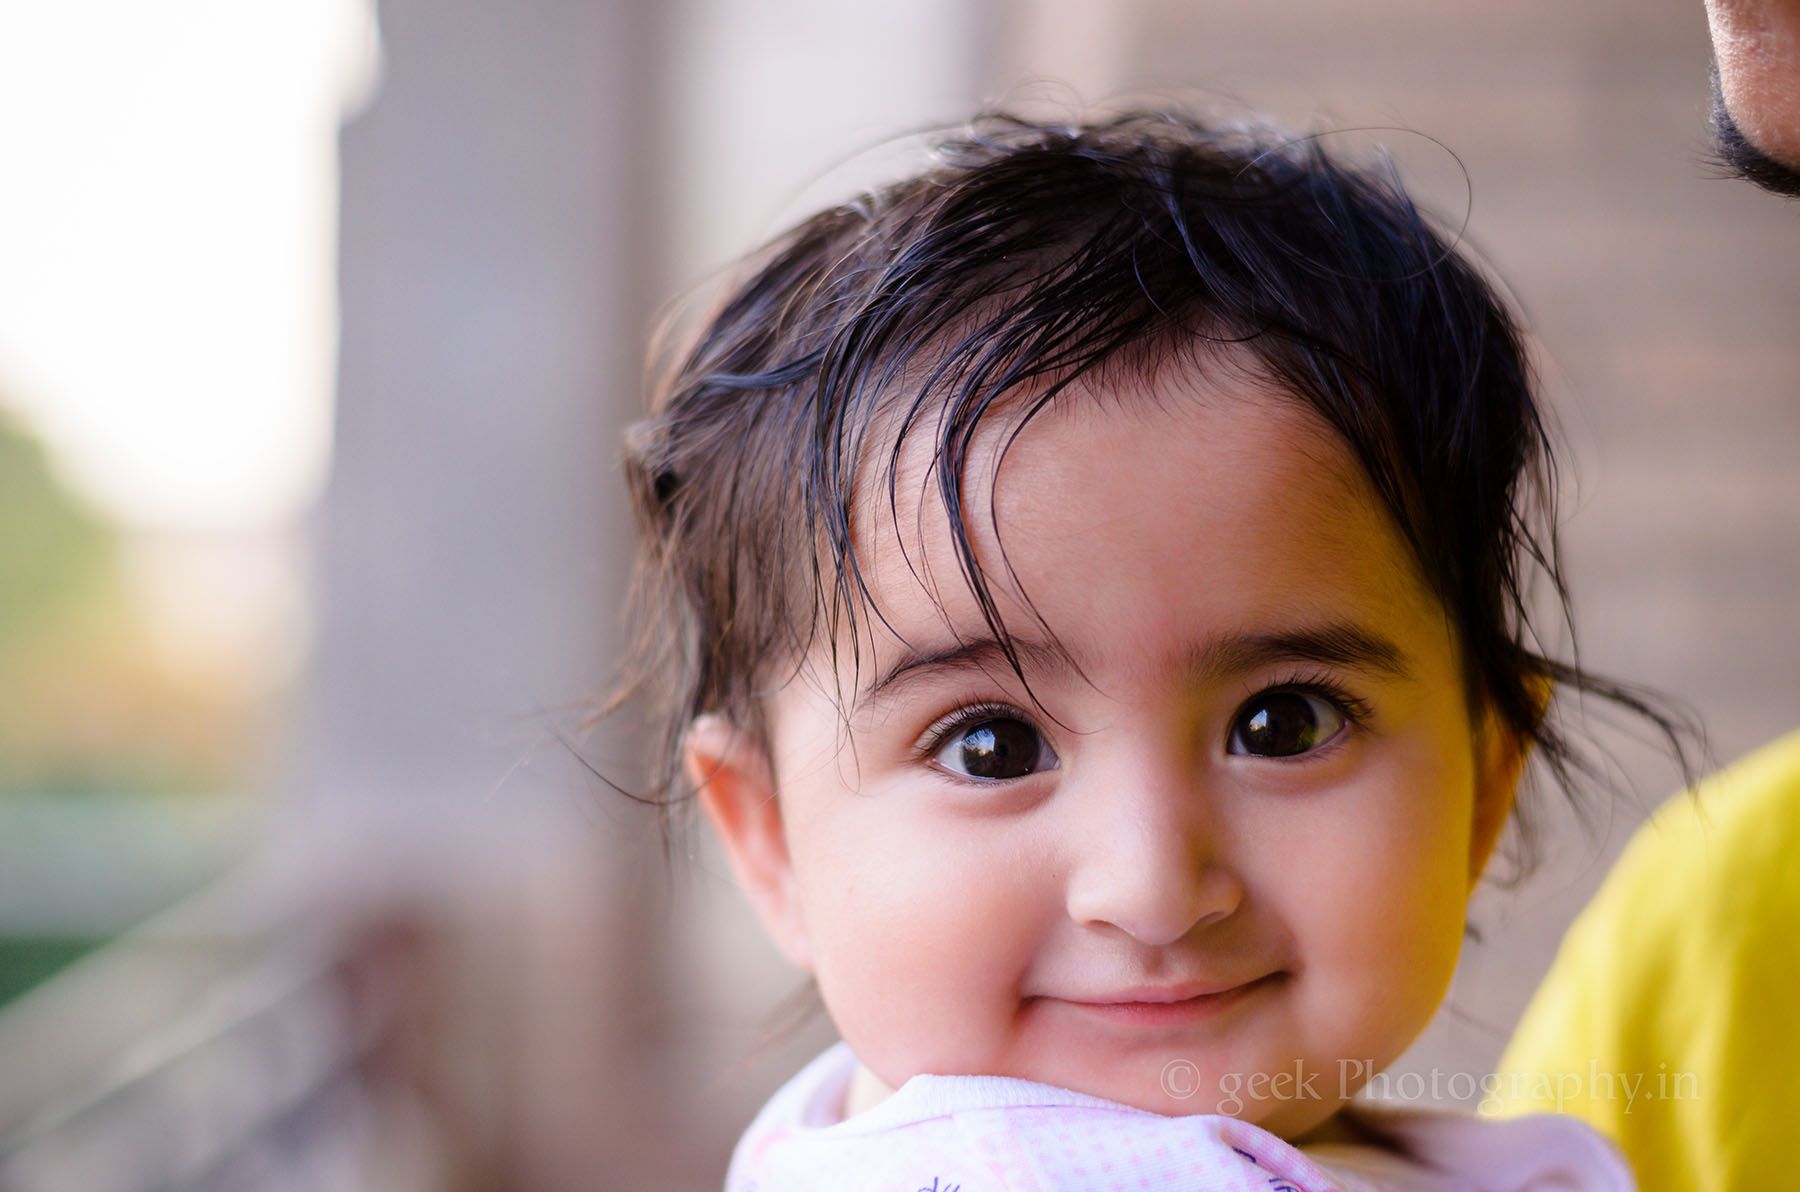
{"points": [[1085, 588]]}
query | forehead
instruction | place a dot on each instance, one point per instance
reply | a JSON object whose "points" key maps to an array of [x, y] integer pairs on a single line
{"points": [[1126, 511]]}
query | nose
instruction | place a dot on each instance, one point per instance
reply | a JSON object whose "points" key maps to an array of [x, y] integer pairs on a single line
{"points": [[1151, 857]]}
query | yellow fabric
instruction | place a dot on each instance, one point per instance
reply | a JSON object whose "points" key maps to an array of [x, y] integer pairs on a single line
{"points": [[1683, 975]]}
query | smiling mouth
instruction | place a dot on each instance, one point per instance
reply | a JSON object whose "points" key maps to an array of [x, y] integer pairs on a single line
{"points": [[1164, 1006]]}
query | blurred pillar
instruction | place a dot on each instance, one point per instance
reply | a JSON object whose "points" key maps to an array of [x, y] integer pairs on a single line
{"points": [[1060, 56], [473, 554], [779, 107]]}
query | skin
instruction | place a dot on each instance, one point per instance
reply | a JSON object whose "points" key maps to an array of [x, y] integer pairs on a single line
{"points": [[1757, 46], [958, 926]]}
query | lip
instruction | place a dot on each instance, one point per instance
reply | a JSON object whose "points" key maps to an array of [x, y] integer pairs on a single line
{"points": [[1171, 1005]]}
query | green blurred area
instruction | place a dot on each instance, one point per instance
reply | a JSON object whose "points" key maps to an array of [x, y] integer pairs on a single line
{"points": [[58, 554], [86, 704], [114, 763], [27, 961]]}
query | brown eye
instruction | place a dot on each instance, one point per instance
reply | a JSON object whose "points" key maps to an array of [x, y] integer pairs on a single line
{"points": [[994, 749], [1284, 724]]}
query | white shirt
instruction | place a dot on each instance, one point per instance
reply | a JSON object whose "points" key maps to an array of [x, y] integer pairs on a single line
{"points": [[999, 1134]]}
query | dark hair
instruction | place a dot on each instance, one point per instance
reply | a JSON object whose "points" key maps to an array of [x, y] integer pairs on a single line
{"points": [[1029, 256]]}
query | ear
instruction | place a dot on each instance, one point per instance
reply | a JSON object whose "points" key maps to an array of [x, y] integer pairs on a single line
{"points": [[1500, 754], [735, 782]]}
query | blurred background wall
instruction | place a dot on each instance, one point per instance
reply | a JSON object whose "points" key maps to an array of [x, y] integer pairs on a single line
{"points": [[318, 325]]}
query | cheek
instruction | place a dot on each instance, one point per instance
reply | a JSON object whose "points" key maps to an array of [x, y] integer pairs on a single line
{"points": [[922, 929], [1374, 894]]}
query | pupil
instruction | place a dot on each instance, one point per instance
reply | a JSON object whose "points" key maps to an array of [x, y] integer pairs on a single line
{"points": [[999, 749], [1282, 725]]}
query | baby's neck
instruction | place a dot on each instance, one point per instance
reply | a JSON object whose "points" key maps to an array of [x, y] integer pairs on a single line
{"points": [[865, 1092]]}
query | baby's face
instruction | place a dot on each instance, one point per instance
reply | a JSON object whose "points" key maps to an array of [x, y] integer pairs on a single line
{"points": [[1244, 852]]}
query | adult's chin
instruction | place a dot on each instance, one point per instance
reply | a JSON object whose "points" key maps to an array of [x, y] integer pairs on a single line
{"points": [[1742, 157], [1756, 89]]}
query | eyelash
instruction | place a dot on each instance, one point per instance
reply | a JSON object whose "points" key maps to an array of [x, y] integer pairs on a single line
{"points": [[1356, 710]]}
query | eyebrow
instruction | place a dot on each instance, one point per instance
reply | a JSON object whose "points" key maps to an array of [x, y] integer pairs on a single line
{"points": [[1224, 655]]}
